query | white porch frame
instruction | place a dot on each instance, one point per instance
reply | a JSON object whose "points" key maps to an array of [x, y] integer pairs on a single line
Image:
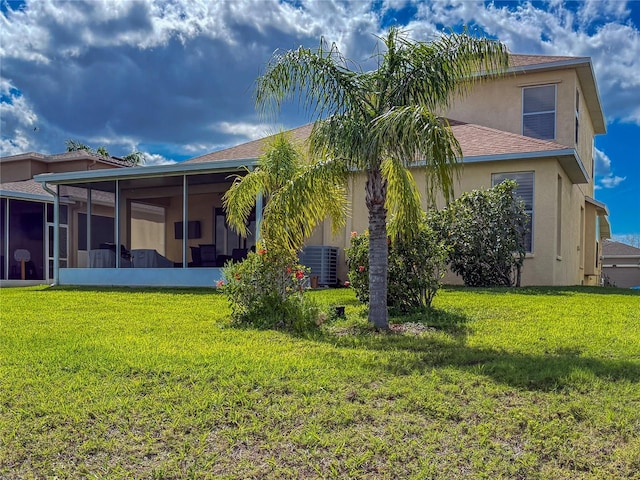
{"points": [[138, 277]]}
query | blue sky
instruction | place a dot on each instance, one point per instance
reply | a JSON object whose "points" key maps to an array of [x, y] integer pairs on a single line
{"points": [[174, 79]]}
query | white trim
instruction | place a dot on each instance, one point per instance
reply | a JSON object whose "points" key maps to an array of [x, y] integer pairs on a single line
{"points": [[177, 169], [26, 196]]}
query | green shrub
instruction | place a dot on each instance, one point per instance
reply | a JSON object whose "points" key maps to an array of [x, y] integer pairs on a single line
{"points": [[415, 268], [485, 230], [266, 290]]}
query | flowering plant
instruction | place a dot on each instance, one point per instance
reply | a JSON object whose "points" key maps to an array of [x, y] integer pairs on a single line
{"points": [[415, 268], [266, 290]]}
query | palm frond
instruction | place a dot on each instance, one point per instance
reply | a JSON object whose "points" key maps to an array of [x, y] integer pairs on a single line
{"points": [[433, 73], [320, 80], [299, 206], [344, 138], [239, 200], [413, 135], [403, 199]]}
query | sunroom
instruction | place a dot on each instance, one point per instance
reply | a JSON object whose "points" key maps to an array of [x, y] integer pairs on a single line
{"points": [[146, 226]]}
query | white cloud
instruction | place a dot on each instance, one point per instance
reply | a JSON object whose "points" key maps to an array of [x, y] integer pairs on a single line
{"points": [[605, 178], [155, 159], [610, 181], [602, 162], [249, 131]]}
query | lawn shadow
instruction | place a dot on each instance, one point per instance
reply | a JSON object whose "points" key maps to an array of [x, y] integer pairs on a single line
{"points": [[543, 291], [443, 343]]}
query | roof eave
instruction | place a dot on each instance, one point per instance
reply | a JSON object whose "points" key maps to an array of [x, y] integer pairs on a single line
{"points": [[26, 196], [145, 172], [568, 159]]}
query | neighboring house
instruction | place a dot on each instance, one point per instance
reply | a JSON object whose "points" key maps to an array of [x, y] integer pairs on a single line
{"points": [[26, 211], [536, 126], [620, 264]]}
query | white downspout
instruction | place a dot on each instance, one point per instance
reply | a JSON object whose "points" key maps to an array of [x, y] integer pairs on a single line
{"points": [[56, 232]]}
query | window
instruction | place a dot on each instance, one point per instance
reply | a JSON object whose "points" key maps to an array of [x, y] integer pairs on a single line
{"points": [[539, 112], [577, 114], [524, 191]]}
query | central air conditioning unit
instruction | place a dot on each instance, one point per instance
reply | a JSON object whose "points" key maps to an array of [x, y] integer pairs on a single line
{"points": [[323, 262]]}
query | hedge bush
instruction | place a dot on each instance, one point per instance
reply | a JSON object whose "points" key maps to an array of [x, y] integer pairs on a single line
{"points": [[415, 268]]}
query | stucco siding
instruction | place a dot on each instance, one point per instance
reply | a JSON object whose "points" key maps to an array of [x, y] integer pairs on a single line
{"points": [[543, 266]]}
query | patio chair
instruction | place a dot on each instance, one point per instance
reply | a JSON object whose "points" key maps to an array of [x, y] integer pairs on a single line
{"points": [[208, 255], [196, 261]]}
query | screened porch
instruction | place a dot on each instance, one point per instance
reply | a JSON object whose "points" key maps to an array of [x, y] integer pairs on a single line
{"points": [[146, 226]]}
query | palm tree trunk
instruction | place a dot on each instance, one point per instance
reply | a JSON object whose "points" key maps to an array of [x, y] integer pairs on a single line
{"points": [[376, 193]]}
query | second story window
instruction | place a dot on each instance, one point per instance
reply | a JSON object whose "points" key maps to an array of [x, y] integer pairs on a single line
{"points": [[539, 112], [577, 114]]}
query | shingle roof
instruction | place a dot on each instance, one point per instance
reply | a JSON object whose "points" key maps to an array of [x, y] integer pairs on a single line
{"points": [[520, 60], [475, 140], [66, 156], [609, 247], [251, 149], [30, 187]]}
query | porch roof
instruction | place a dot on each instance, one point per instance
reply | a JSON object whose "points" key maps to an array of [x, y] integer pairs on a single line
{"points": [[132, 173]]}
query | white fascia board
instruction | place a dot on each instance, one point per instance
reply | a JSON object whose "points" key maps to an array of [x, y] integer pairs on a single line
{"points": [[599, 205], [26, 196], [145, 171], [33, 197]]}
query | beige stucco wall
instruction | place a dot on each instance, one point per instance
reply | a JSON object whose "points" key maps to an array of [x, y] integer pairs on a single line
{"points": [[545, 265], [20, 170], [148, 228], [498, 104]]}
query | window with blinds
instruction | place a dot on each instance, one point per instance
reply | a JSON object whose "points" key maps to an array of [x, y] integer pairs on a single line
{"points": [[524, 191], [539, 112]]}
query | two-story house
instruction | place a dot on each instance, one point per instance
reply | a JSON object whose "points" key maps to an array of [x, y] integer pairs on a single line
{"points": [[535, 125]]}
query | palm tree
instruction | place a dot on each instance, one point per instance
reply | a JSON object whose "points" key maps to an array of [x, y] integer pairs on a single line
{"points": [[300, 195], [383, 121], [75, 145], [134, 158]]}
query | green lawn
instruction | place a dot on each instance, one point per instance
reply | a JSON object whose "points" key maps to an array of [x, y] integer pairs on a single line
{"points": [[531, 383]]}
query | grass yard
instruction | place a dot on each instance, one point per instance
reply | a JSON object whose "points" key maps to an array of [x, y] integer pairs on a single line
{"points": [[531, 383]]}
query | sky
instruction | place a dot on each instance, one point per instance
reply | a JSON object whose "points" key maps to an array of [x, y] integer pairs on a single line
{"points": [[175, 80]]}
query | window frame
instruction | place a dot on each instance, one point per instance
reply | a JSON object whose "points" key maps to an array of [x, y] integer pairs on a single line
{"points": [[541, 112]]}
